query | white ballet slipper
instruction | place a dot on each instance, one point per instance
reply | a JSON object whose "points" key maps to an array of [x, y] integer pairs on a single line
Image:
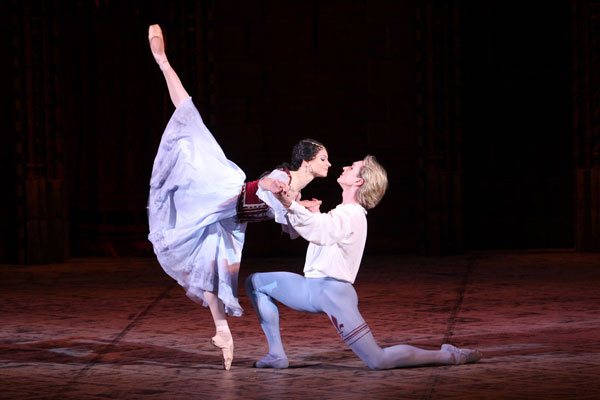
{"points": [[226, 346], [270, 361], [157, 46], [463, 356]]}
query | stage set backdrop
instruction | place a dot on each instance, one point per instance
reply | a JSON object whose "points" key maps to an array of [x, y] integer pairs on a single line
{"points": [[485, 114]]}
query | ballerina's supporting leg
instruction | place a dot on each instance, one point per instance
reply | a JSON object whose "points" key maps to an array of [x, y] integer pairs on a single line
{"points": [[223, 338], [157, 46]]}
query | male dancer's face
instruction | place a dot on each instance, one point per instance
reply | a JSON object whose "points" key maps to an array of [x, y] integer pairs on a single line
{"points": [[351, 175]]}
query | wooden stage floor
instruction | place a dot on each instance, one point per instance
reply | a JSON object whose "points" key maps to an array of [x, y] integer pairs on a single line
{"points": [[122, 329]]}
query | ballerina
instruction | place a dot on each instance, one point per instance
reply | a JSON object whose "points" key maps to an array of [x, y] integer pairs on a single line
{"points": [[199, 203]]}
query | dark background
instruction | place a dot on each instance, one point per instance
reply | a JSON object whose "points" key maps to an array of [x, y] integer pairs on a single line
{"points": [[485, 114]]}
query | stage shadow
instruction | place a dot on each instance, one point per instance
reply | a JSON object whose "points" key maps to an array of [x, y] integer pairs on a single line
{"points": [[85, 350]]}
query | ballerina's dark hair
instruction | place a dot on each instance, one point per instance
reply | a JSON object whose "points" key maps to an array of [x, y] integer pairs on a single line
{"points": [[304, 150]]}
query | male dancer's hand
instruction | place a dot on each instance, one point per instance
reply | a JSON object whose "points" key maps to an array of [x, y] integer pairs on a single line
{"points": [[285, 195], [312, 205], [272, 185]]}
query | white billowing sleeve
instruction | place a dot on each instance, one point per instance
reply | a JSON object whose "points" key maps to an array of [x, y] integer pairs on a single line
{"points": [[278, 210], [322, 229]]}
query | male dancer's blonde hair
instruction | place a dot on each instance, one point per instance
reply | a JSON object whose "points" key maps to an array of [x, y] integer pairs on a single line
{"points": [[375, 183]]}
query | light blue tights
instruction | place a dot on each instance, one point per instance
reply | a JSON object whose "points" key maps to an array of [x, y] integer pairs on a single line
{"points": [[339, 301]]}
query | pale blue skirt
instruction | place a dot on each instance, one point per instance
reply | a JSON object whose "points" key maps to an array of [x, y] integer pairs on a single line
{"points": [[192, 210]]}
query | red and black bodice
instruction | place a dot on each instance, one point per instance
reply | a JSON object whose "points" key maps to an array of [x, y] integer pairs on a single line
{"points": [[250, 208]]}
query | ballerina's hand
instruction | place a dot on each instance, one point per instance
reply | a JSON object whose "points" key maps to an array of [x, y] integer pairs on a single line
{"points": [[312, 205]]}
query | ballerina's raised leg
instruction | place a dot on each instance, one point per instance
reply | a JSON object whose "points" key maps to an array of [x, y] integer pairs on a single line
{"points": [[157, 46], [222, 339]]}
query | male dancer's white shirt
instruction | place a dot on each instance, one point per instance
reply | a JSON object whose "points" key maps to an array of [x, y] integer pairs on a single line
{"points": [[337, 240]]}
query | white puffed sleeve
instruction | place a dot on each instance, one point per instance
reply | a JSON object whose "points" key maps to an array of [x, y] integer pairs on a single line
{"points": [[278, 210]]}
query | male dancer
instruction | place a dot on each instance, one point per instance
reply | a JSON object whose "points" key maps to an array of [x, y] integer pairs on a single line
{"points": [[337, 240]]}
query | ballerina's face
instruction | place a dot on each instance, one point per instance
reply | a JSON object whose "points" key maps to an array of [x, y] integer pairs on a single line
{"points": [[320, 164]]}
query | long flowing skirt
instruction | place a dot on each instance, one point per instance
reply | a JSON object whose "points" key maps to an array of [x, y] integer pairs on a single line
{"points": [[192, 210]]}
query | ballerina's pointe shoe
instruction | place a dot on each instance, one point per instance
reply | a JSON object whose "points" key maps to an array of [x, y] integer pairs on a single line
{"points": [[225, 343], [157, 46], [463, 356]]}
